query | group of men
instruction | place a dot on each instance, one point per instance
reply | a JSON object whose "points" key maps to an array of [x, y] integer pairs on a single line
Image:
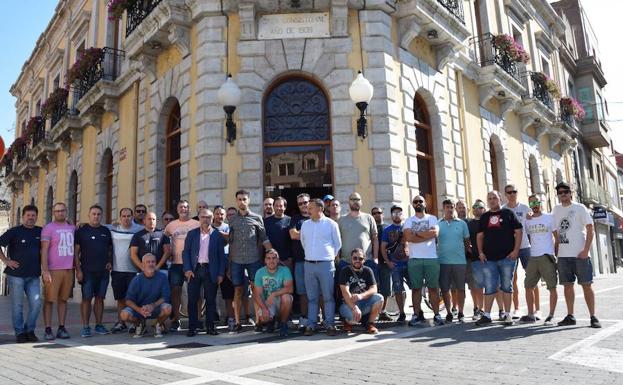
{"points": [[351, 263]]}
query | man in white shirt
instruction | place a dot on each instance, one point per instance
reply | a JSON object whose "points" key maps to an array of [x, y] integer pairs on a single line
{"points": [[542, 263], [320, 238], [420, 231], [575, 235]]}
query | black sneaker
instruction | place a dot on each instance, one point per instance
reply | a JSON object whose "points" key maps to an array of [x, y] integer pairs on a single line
{"points": [[238, 328], [33, 338], [461, 318], [483, 321], [449, 317], [402, 318], [569, 320], [527, 319], [549, 321], [21, 338], [438, 321], [595, 322], [258, 328]]}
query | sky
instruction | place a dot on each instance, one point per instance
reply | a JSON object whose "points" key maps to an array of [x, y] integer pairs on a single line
{"points": [[28, 19]]}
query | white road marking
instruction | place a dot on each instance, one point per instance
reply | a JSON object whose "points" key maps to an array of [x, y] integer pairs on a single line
{"points": [[585, 353]]}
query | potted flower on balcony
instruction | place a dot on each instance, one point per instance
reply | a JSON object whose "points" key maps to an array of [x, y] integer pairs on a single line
{"points": [[572, 107], [510, 48], [56, 100], [32, 126], [548, 83], [7, 159], [117, 7], [88, 59]]}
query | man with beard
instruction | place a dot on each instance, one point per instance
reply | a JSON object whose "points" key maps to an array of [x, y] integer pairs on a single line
{"points": [[394, 253], [298, 255], [277, 231], [269, 209], [358, 231]]}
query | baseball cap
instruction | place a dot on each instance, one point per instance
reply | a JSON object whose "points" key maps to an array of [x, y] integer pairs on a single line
{"points": [[563, 185], [328, 197], [478, 205], [395, 208]]}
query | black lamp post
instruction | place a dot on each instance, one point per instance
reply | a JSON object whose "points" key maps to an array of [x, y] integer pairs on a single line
{"points": [[229, 97], [361, 92]]}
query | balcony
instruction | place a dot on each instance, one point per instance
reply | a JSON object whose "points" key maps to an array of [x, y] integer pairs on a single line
{"points": [[538, 102], [595, 194], [595, 129], [21, 164], [137, 12], [155, 25], [65, 124], [43, 149], [500, 75], [38, 133], [590, 65]]}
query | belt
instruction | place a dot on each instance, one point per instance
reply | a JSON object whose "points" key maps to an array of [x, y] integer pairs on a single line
{"points": [[311, 261], [202, 264]]}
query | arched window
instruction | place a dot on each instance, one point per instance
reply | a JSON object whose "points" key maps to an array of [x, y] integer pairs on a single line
{"points": [[495, 176], [108, 174], [18, 217], [49, 202], [533, 170], [297, 140], [424, 151], [73, 198], [173, 161]]}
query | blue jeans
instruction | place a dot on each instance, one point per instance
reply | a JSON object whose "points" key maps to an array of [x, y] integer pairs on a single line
{"points": [[364, 305], [319, 281], [299, 277], [478, 274], [499, 274], [399, 277], [31, 286]]}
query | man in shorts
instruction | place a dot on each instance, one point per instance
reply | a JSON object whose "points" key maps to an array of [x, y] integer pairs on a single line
{"points": [[148, 297], [226, 286], [298, 255], [93, 262], [123, 270], [421, 231], [272, 293], [395, 254], [452, 243], [361, 301], [542, 263], [575, 233], [475, 277], [57, 261], [176, 231]]}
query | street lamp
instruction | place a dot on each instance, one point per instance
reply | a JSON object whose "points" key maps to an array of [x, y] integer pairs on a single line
{"points": [[229, 97], [361, 92]]}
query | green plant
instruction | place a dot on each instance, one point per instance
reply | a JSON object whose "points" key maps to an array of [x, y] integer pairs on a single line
{"points": [[508, 46]]}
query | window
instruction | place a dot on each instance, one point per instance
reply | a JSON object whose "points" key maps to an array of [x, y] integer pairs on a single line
{"points": [[49, 203], [38, 108], [57, 81], [310, 164], [108, 174], [424, 151], [173, 158], [534, 176], [495, 175], [73, 198], [545, 66], [286, 169]]}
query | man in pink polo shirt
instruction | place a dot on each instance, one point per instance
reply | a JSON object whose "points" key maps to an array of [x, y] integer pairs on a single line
{"points": [[57, 266]]}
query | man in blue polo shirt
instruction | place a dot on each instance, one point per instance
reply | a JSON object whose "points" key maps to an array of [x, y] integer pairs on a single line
{"points": [[93, 260], [23, 268], [452, 242]]}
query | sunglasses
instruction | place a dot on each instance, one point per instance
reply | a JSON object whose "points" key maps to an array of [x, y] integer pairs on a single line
{"points": [[563, 192], [140, 211], [377, 213], [357, 258], [303, 203], [511, 192], [417, 202]]}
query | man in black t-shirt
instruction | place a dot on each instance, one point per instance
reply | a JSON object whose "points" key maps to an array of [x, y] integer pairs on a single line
{"points": [[298, 255], [277, 226], [359, 294], [151, 240], [499, 240], [93, 260], [23, 269], [474, 273]]}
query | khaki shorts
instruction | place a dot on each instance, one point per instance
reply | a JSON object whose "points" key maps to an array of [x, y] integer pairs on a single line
{"points": [[60, 287], [541, 267]]}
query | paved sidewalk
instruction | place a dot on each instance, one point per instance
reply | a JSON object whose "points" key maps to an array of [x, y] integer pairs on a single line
{"points": [[452, 354]]}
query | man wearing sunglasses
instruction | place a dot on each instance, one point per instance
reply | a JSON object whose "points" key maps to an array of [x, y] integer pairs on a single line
{"points": [[574, 237], [139, 213], [542, 263], [298, 255]]}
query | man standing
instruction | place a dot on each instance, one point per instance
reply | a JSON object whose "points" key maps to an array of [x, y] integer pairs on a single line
{"points": [[153, 241], [542, 264], [358, 231], [277, 231], [147, 298], [575, 235], [272, 293], [93, 261], [268, 207], [23, 269], [326, 200], [499, 240], [226, 286], [335, 210], [453, 243], [521, 211], [475, 277], [461, 210], [123, 270], [359, 294], [200, 206], [139, 214], [385, 273], [420, 231], [298, 255], [394, 253], [320, 237], [204, 268], [176, 231], [57, 264], [246, 233]]}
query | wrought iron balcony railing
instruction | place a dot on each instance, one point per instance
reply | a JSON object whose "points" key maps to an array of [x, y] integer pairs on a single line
{"points": [[488, 53], [8, 168], [39, 133], [22, 152], [106, 68], [540, 91], [137, 12], [455, 7]]}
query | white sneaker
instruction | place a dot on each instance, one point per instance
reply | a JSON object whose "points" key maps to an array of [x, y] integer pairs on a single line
{"points": [[508, 320], [302, 322], [516, 314], [158, 331], [140, 330], [538, 315]]}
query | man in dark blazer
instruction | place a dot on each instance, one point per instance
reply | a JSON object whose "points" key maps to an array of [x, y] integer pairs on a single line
{"points": [[204, 267]]}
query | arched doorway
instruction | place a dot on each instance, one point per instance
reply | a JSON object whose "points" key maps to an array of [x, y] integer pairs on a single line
{"points": [[297, 140], [73, 198], [498, 165], [107, 171], [424, 151]]}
